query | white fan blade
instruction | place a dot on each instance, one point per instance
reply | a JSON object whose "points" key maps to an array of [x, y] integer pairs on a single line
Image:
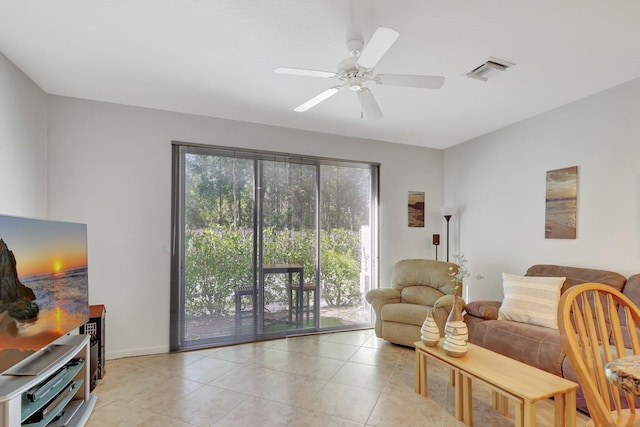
{"points": [[318, 99], [369, 104], [379, 44], [427, 82], [304, 72]]}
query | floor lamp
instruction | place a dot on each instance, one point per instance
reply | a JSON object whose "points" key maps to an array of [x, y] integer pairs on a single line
{"points": [[447, 217], [448, 212]]}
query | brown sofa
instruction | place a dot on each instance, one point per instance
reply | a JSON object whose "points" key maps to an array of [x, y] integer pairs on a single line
{"points": [[416, 285], [536, 345]]}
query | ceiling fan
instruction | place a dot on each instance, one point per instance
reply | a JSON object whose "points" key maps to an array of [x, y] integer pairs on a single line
{"points": [[356, 70]]}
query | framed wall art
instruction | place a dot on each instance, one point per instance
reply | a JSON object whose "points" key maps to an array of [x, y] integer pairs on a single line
{"points": [[561, 203], [415, 208]]}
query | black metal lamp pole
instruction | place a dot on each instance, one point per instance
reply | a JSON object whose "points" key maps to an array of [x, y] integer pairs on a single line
{"points": [[447, 217]]}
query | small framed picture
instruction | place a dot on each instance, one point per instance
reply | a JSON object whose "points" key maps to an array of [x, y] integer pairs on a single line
{"points": [[561, 204], [416, 208]]}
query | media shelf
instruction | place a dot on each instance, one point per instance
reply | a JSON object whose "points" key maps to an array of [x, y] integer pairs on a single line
{"points": [[50, 388]]}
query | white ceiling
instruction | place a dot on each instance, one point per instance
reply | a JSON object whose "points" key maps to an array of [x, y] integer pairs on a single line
{"points": [[216, 58]]}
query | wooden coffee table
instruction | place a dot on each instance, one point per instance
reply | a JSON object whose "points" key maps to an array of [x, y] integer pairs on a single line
{"points": [[507, 378]]}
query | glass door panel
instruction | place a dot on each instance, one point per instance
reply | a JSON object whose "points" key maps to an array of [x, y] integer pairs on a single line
{"points": [[346, 246], [287, 250], [219, 291]]}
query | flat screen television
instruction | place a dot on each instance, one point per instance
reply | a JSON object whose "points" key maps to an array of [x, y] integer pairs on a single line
{"points": [[43, 287]]}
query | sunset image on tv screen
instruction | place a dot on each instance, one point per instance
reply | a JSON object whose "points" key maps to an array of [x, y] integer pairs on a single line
{"points": [[43, 284]]}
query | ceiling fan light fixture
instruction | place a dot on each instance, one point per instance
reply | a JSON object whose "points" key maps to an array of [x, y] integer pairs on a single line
{"points": [[355, 84], [490, 68]]}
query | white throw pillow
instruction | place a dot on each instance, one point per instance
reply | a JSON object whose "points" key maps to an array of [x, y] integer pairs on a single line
{"points": [[531, 300]]}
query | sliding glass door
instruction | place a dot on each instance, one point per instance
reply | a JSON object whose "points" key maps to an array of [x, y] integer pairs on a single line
{"points": [[267, 245]]}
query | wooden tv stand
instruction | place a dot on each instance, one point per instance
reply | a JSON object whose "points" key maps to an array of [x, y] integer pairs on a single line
{"points": [[57, 395]]}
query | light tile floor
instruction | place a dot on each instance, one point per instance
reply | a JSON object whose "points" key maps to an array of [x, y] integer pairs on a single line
{"points": [[344, 379]]}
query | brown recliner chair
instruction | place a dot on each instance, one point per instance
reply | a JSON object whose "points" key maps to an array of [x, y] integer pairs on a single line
{"points": [[416, 285]]}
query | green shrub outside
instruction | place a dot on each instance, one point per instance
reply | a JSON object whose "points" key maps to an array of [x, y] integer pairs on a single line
{"points": [[219, 260]]}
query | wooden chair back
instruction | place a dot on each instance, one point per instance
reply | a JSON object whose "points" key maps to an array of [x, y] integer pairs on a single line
{"points": [[589, 320]]}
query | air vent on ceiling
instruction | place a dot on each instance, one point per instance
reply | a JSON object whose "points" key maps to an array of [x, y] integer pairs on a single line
{"points": [[490, 68]]}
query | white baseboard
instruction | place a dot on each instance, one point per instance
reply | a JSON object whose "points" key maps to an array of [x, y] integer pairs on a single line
{"points": [[110, 355]]}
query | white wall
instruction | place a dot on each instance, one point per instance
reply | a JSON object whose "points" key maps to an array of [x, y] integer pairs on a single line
{"points": [[498, 184], [110, 167], [23, 144]]}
